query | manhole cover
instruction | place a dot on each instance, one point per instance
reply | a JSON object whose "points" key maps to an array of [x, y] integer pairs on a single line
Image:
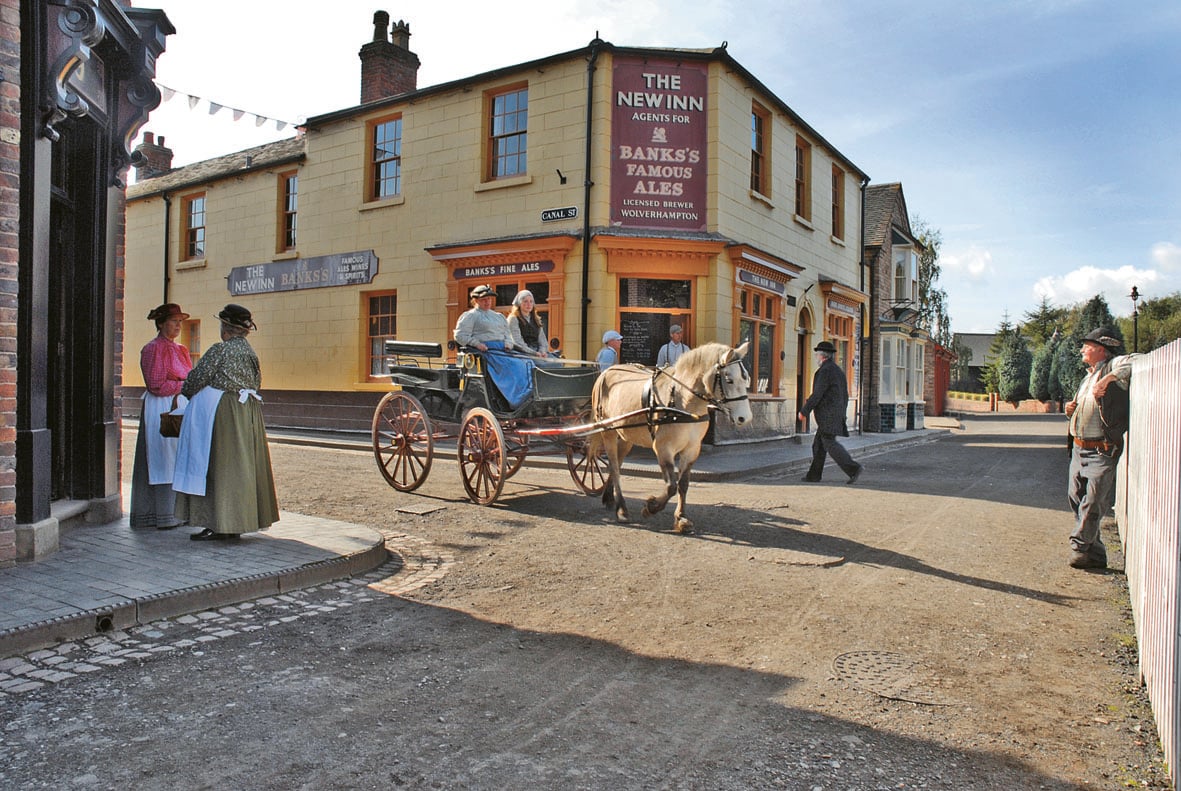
{"points": [[889, 675], [419, 509]]}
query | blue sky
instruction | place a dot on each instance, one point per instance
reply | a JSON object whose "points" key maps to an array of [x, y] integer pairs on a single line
{"points": [[1040, 137]]}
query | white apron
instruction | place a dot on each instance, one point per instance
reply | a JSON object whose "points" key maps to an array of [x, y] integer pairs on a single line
{"points": [[161, 450], [196, 435]]}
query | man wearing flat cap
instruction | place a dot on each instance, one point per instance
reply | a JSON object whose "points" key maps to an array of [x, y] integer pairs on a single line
{"points": [[830, 401], [1098, 419], [671, 352]]}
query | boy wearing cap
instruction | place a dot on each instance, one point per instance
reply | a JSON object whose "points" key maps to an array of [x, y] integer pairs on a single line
{"points": [[830, 400], [1098, 419], [671, 352], [609, 354]]}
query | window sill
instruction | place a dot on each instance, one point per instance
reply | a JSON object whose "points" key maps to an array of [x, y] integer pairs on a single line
{"points": [[514, 181], [194, 263], [286, 255], [837, 240], [761, 198], [396, 200], [804, 221]]}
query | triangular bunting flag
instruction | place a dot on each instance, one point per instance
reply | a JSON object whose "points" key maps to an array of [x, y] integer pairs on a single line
{"points": [[214, 107], [238, 114], [166, 93], [193, 101]]}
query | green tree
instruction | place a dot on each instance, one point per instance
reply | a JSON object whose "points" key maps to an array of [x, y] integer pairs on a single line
{"points": [[1013, 367], [1041, 323], [933, 315], [1158, 323], [1068, 369], [992, 361], [1039, 372]]}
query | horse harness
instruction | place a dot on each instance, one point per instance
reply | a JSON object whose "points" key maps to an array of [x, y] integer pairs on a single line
{"points": [[663, 414]]}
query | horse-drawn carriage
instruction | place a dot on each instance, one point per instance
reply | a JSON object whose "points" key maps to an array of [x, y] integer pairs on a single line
{"points": [[568, 408], [438, 401]]}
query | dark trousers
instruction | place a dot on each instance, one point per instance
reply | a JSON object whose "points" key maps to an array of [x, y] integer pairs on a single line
{"points": [[827, 444]]}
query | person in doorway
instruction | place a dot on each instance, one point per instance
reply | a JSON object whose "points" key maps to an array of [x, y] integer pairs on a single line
{"points": [[1098, 419], [483, 328], [609, 354], [671, 352], [829, 400], [223, 471], [525, 326], [165, 364]]}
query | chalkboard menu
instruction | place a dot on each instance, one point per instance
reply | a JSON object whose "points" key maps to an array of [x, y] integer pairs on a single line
{"points": [[643, 335]]}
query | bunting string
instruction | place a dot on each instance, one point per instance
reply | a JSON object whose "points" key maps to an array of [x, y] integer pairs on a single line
{"points": [[168, 94]]}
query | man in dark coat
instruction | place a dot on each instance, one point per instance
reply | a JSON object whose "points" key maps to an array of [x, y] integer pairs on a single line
{"points": [[1098, 419], [829, 400]]}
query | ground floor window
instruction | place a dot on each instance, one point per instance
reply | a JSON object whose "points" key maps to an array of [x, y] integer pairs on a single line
{"points": [[919, 373], [840, 333], [887, 388], [647, 308], [381, 318], [507, 292], [190, 338], [758, 323]]}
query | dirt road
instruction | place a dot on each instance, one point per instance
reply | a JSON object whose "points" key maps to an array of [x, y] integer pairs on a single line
{"points": [[918, 630]]}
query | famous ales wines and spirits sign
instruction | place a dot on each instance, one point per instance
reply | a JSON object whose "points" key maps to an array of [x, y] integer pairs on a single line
{"points": [[339, 269], [658, 137]]}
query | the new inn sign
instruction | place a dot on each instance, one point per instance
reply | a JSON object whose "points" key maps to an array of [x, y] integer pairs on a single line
{"points": [[338, 269]]}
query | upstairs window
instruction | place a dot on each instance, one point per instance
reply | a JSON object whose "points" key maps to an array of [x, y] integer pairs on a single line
{"points": [[906, 275], [760, 150], [194, 220], [385, 175], [838, 202], [803, 179], [288, 204], [508, 124]]}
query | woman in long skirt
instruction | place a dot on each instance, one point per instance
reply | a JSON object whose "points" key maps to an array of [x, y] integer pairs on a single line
{"points": [[223, 478], [165, 364]]}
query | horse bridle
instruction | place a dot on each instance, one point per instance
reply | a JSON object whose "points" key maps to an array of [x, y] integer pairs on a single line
{"points": [[715, 402]]}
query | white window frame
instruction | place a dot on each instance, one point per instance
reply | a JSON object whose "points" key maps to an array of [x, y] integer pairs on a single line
{"points": [[887, 367]]}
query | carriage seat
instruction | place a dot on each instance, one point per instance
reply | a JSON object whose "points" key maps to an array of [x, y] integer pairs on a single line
{"points": [[399, 349]]}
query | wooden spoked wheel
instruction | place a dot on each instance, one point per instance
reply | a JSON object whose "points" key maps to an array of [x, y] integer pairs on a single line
{"points": [[403, 442], [482, 459], [588, 471], [516, 456]]}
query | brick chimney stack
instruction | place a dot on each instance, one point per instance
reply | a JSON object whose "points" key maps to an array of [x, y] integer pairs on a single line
{"points": [[157, 159], [388, 68]]}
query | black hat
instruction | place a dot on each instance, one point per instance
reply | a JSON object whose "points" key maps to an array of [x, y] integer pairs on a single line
{"points": [[1105, 337], [825, 346], [482, 291], [237, 316]]}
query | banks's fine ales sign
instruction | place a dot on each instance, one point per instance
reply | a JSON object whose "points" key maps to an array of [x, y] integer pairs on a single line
{"points": [[658, 134]]}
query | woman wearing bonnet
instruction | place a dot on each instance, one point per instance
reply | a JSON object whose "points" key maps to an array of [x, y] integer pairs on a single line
{"points": [[223, 472], [165, 364], [525, 325]]}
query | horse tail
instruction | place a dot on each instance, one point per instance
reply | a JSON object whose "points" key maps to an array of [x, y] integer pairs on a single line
{"points": [[598, 394]]}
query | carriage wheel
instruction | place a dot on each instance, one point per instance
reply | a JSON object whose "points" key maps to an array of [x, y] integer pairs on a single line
{"points": [[403, 442], [481, 456], [516, 457], [589, 472]]}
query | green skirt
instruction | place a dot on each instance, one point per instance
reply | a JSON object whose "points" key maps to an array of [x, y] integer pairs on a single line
{"points": [[240, 486]]}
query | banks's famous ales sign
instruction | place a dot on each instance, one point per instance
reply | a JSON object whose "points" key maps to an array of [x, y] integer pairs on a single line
{"points": [[658, 134]]}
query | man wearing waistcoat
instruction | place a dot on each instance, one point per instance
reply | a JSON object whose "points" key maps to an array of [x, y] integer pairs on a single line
{"points": [[1098, 419]]}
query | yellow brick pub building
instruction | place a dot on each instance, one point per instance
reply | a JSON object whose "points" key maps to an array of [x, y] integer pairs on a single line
{"points": [[627, 188]]}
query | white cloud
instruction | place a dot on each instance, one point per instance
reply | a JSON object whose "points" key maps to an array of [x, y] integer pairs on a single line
{"points": [[1081, 284], [974, 263], [1167, 256]]}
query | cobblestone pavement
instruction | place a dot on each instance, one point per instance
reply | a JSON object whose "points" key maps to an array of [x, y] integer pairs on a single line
{"points": [[413, 564]]}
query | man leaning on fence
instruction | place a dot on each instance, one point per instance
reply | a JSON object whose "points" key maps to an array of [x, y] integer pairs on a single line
{"points": [[1098, 419]]}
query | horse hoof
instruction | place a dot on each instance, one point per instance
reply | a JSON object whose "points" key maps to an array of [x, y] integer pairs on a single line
{"points": [[622, 516], [683, 527]]}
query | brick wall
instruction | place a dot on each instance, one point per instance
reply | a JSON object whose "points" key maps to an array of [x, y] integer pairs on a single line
{"points": [[10, 64]]}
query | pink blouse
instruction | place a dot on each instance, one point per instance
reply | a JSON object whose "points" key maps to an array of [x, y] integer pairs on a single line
{"points": [[165, 364]]}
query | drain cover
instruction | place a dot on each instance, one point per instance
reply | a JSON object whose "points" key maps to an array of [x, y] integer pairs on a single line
{"points": [[889, 675]]}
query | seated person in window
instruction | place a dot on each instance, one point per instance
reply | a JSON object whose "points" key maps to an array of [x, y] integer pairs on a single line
{"points": [[482, 328]]}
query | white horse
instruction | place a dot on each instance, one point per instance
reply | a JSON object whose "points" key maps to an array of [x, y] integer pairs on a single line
{"points": [[678, 401]]}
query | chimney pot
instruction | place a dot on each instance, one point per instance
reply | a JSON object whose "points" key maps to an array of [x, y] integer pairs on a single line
{"points": [[381, 23], [387, 68]]}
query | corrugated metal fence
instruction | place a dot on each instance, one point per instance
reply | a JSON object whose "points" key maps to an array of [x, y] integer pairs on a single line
{"points": [[1149, 513]]}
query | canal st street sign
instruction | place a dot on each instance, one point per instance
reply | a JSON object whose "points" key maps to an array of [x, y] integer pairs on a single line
{"points": [[565, 213], [504, 270], [338, 269]]}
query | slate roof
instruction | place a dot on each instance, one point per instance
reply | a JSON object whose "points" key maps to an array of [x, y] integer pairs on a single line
{"points": [[882, 203], [257, 158]]}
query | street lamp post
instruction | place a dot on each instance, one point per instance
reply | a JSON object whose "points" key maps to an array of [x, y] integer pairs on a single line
{"points": [[1135, 295]]}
